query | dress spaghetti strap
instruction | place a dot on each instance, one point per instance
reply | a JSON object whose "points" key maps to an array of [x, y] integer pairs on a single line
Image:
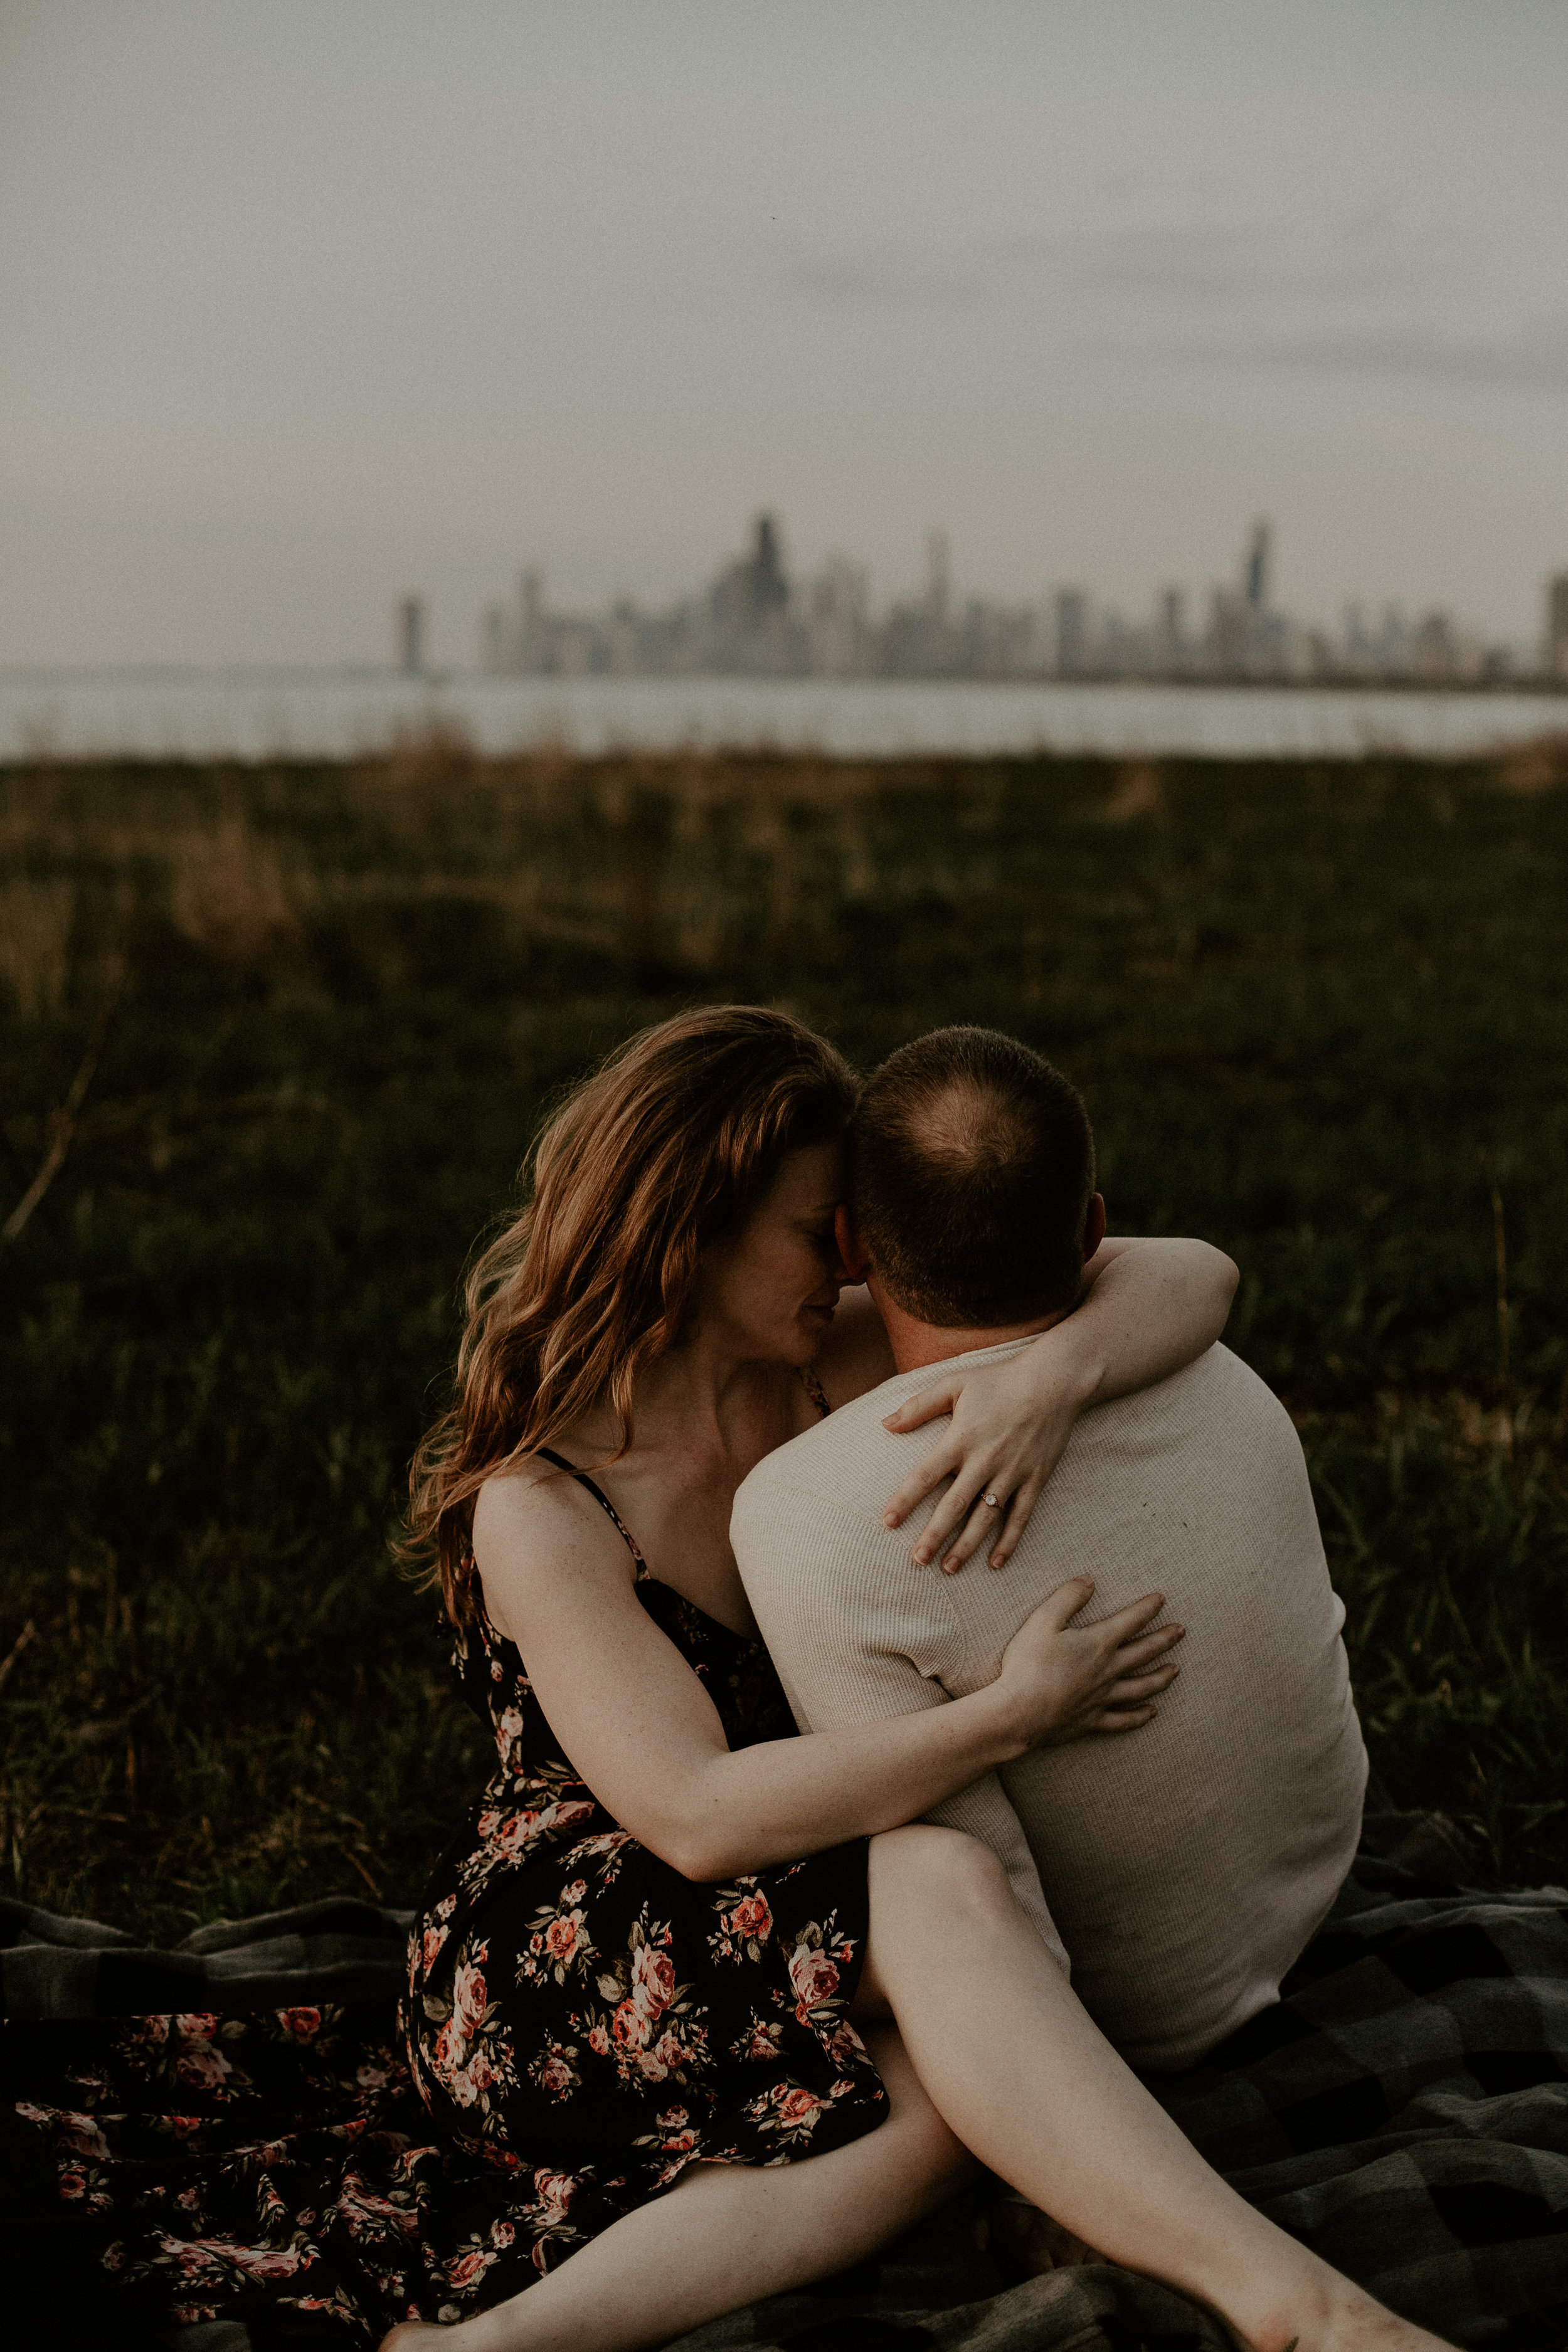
{"points": [[545, 1454]]}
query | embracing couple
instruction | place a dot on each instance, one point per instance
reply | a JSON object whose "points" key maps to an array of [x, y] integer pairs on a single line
{"points": [[837, 1845]]}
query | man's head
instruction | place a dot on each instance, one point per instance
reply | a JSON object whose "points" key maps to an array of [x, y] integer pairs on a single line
{"points": [[971, 1183]]}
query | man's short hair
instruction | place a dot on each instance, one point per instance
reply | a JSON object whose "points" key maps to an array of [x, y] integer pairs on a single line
{"points": [[971, 1168]]}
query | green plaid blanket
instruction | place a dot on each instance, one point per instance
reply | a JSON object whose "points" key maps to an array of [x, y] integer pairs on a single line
{"points": [[1404, 2110]]}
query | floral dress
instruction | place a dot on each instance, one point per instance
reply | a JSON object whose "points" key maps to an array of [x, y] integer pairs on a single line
{"points": [[582, 2023], [587, 2020]]}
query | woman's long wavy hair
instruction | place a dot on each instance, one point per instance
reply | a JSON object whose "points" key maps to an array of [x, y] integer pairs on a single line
{"points": [[663, 1151]]}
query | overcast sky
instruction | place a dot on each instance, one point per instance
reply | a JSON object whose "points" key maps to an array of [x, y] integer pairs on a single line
{"points": [[306, 302]]}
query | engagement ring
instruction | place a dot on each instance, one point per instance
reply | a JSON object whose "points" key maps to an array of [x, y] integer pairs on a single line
{"points": [[991, 1504]]}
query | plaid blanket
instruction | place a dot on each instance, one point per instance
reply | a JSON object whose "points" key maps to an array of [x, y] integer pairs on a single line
{"points": [[1404, 2110]]}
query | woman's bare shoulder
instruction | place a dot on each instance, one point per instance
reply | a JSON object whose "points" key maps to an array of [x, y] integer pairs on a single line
{"points": [[855, 1355], [534, 1526], [530, 1500]]}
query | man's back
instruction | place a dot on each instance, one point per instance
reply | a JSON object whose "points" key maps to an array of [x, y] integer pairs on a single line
{"points": [[1185, 1864]]}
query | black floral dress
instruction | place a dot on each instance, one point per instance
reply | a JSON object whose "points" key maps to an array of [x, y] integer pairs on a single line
{"points": [[582, 2023], [589, 2021]]}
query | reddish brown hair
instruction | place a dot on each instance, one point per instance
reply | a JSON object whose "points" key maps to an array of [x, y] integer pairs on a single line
{"points": [[668, 1145]]}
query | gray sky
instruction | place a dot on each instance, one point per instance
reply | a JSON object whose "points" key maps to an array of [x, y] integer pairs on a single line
{"points": [[304, 302]]}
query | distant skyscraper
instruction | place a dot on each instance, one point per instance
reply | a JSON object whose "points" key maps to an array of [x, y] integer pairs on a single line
{"points": [[1557, 626], [936, 577], [1434, 648], [410, 637], [1228, 631], [752, 591], [839, 624], [1072, 632], [1255, 578], [1171, 630], [770, 589]]}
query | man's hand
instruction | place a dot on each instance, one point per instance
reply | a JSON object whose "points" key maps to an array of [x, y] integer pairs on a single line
{"points": [[1059, 1682]]}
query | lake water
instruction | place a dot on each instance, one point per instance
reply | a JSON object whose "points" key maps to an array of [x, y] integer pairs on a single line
{"points": [[256, 714]]}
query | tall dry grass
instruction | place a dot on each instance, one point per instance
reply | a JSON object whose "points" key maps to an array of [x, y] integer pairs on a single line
{"points": [[676, 865], [37, 922]]}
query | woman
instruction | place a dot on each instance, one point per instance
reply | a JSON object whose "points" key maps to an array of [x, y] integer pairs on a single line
{"points": [[676, 1948]]}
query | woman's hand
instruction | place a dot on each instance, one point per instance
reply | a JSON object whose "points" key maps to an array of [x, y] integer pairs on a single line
{"points": [[1059, 1682], [1010, 1421], [1147, 1308]]}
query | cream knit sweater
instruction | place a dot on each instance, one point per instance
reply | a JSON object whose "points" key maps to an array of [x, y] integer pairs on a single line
{"points": [[1186, 1863]]}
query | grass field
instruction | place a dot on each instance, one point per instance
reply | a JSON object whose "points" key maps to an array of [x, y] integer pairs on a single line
{"points": [[282, 1035]]}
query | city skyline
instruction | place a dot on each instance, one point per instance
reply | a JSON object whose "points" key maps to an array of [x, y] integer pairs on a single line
{"points": [[755, 619]]}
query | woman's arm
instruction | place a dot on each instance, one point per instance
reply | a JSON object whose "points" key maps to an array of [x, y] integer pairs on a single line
{"points": [[1148, 1308], [642, 1732]]}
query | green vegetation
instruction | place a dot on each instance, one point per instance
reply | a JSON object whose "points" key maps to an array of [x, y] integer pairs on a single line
{"points": [[1320, 1011]]}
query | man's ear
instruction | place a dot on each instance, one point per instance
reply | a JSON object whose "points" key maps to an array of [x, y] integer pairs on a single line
{"points": [[856, 1262], [1093, 1225]]}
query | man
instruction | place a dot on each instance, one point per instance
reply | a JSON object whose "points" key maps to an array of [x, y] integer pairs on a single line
{"points": [[1185, 1864]]}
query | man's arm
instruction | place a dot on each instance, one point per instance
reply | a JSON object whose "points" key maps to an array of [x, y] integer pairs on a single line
{"points": [[857, 1635]]}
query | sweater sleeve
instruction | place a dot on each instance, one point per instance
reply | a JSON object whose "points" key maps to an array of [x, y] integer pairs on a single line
{"points": [[857, 1635]]}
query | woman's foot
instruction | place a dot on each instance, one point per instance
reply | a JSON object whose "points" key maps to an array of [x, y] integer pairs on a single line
{"points": [[1339, 2317]]}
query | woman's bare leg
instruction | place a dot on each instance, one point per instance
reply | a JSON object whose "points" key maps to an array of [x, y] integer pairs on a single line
{"points": [[1024, 2079], [728, 2234], [1013, 2062]]}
